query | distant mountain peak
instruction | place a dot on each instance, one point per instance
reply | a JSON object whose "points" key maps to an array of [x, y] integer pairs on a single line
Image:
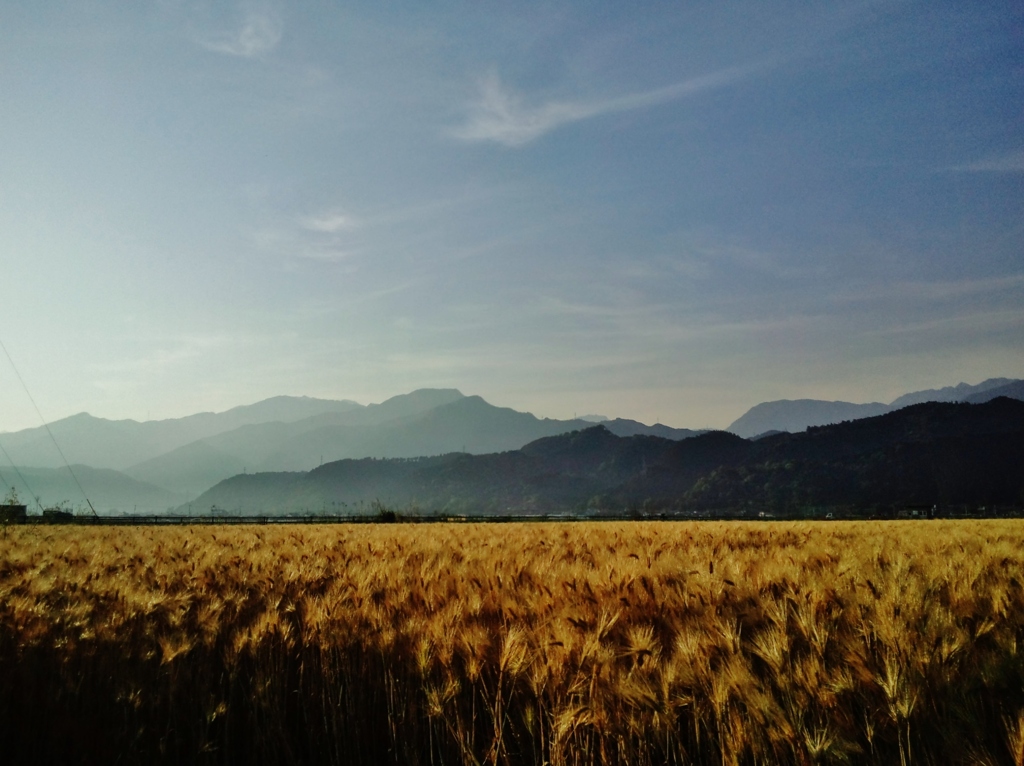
{"points": [[795, 415], [433, 397], [949, 393]]}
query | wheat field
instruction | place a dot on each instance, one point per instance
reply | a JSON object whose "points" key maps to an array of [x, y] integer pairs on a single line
{"points": [[563, 644]]}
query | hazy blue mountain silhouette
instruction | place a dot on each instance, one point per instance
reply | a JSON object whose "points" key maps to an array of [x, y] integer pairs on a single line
{"points": [[625, 427], [109, 491], [795, 415], [958, 393], [199, 465], [599, 455], [420, 424], [190, 469], [547, 474], [933, 453], [1012, 390], [424, 422], [119, 444], [186, 456], [469, 424]]}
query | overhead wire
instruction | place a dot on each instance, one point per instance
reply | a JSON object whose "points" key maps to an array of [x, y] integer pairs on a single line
{"points": [[48, 431], [24, 483], [10, 487]]}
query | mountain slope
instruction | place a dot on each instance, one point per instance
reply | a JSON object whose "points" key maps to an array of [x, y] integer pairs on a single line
{"points": [[1012, 390], [625, 427], [188, 470], [406, 427], [799, 414], [108, 490], [119, 444], [260, 446], [933, 453], [467, 425], [958, 393]]}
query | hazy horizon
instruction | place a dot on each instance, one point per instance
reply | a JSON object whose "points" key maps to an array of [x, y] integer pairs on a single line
{"points": [[669, 216], [594, 418]]}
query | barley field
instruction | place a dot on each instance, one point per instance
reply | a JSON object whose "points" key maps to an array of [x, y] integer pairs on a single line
{"points": [[563, 644]]}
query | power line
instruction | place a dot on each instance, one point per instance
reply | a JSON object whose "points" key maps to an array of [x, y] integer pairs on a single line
{"points": [[48, 431], [33, 494]]}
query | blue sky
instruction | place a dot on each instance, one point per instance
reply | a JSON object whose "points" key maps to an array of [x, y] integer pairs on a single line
{"points": [[668, 212]]}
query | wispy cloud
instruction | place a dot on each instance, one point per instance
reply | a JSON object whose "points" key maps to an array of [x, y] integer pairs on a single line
{"points": [[164, 353], [502, 116], [1012, 162], [976, 323], [301, 243], [329, 222], [931, 291], [259, 32], [659, 326]]}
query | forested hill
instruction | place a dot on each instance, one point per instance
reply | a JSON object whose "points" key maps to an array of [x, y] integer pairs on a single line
{"points": [[928, 454], [935, 453]]}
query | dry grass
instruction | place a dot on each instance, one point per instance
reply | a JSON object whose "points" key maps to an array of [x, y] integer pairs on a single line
{"points": [[588, 643]]}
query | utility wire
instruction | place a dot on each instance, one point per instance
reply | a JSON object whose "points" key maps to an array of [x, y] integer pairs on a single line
{"points": [[6, 484], [25, 483], [48, 431]]}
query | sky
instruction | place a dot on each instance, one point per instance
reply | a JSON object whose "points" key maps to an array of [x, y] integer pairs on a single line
{"points": [[668, 211]]}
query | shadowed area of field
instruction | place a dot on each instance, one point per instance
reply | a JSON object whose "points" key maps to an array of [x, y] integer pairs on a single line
{"points": [[576, 643]]}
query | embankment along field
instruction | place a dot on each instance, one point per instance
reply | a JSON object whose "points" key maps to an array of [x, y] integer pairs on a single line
{"points": [[577, 643]]}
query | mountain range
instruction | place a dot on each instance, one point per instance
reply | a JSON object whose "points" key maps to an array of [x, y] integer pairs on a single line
{"points": [[793, 415], [166, 462], [931, 454], [148, 467]]}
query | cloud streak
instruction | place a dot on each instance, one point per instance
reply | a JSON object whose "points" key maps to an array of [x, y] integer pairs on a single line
{"points": [[1007, 163], [329, 223], [501, 116], [259, 33], [932, 291]]}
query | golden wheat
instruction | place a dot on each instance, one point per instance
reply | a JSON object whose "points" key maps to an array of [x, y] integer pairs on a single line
{"points": [[574, 644]]}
